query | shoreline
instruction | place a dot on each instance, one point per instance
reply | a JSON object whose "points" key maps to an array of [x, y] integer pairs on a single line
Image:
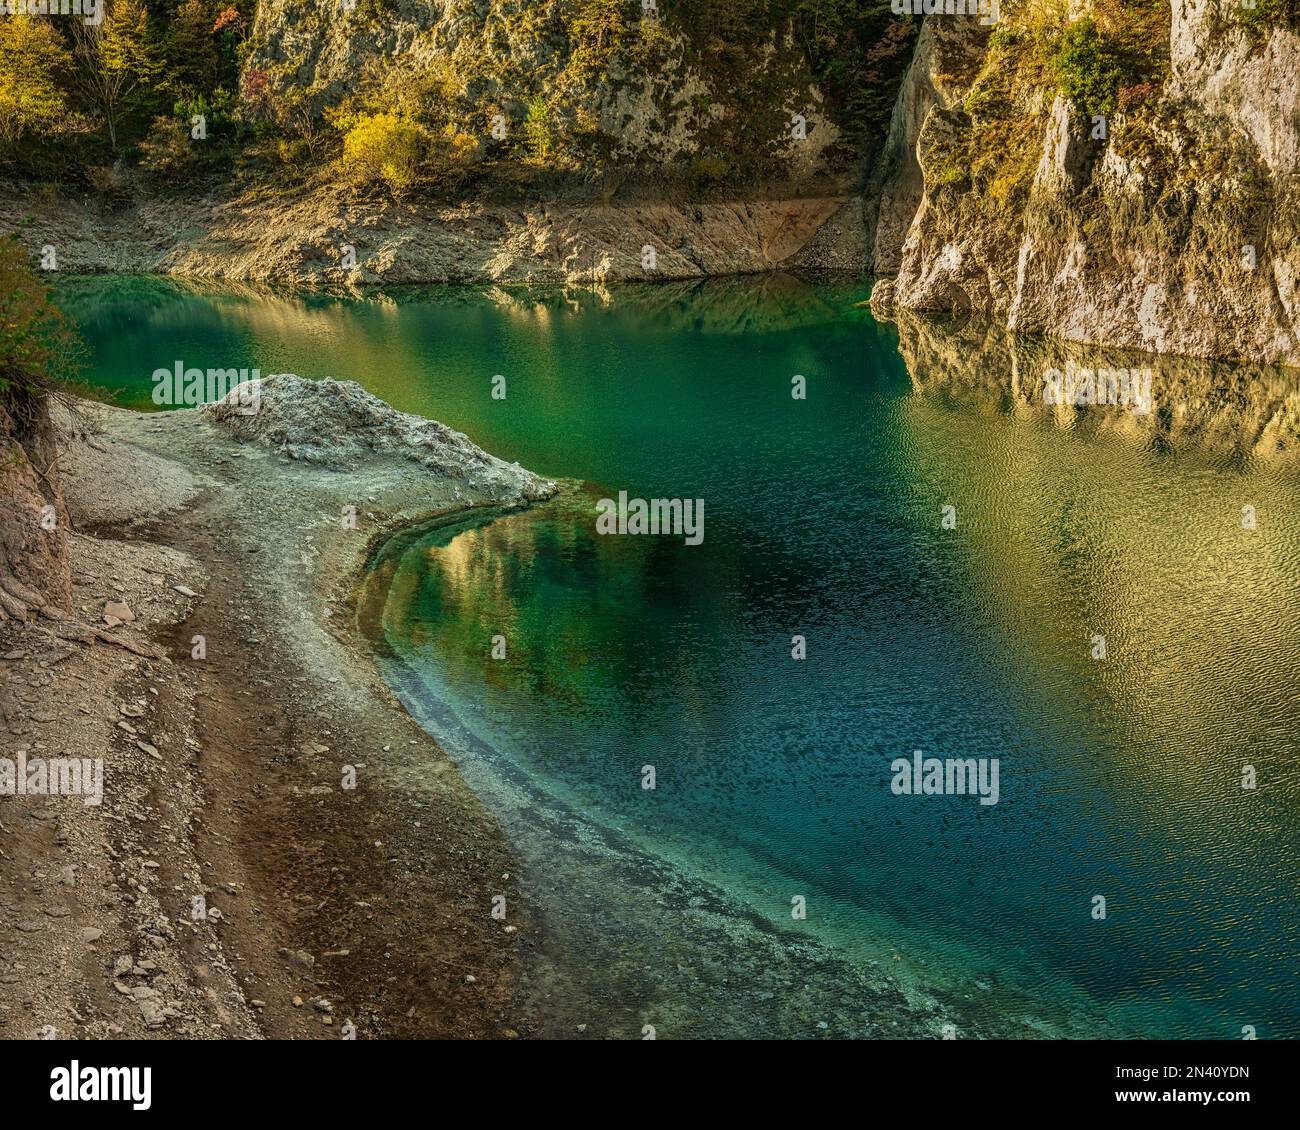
{"points": [[300, 240], [368, 908], [326, 906], [598, 891]]}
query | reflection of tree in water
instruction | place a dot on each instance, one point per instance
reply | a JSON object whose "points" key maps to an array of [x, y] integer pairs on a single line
{"points": [[585, 617]]}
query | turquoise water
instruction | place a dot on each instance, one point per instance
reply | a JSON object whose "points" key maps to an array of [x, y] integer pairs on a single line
{"points": [[1119, 777]]}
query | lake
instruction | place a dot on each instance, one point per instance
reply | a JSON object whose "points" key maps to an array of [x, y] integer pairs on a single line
{"points": [[1103, 600]]}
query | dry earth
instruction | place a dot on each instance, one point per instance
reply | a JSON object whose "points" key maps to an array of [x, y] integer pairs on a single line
{"points": [[301, 238], [326, 909]]}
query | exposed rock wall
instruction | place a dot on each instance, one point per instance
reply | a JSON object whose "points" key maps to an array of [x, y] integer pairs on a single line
{"points": [[301, 239], [1178, 231], [34, 571]]}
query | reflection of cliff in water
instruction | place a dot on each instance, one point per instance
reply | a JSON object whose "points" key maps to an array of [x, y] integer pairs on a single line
{"points": [[1252, 411], [725, 305]]}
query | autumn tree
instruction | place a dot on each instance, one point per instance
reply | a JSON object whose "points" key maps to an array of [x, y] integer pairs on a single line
{"points": [[34, 69]]}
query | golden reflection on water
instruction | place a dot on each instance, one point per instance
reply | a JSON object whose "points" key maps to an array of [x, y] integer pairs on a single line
{"points": [[1066, 532]]}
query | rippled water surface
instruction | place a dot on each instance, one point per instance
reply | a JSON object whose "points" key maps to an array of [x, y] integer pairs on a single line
{"points": [[1120, 777]]}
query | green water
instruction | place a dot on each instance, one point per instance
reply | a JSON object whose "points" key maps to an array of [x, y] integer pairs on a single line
{"points": [[1119, 777]]}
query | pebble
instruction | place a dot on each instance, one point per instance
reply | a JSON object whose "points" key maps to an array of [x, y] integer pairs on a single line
{"points": [[118, 610], [301, 958]]}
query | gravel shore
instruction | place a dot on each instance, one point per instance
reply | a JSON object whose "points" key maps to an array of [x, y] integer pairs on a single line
{"points": [[253, 870]]}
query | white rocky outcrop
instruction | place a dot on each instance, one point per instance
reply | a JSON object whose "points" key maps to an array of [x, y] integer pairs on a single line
{"points": [[1177, 231], [338, 424]]}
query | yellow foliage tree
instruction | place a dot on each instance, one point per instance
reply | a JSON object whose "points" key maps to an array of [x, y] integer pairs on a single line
{"points": [[383, 147], [33, 63]]}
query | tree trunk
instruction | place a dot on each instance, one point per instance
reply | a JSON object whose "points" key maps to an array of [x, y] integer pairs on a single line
{"points": [[34, 570]]}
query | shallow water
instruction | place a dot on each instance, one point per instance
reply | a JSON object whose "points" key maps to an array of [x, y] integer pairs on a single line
{"points": [[1119, 777]]}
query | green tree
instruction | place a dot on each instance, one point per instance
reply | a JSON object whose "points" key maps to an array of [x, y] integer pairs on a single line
{"points": [[539, 128], [120, 65]]}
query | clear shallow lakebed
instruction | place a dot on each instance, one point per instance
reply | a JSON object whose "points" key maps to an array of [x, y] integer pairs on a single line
{"points": [[1119, 777]]}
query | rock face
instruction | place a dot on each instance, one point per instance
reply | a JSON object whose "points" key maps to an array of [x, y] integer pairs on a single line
{"points": [[949, 54], [34, 571], [337, 424], [1178, 231], [634, 85]]}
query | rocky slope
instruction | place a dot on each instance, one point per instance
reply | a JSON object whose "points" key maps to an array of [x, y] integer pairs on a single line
{"points": [[1175, 232], [330, 903], [34, 572], [589, 79], [303, 239]]}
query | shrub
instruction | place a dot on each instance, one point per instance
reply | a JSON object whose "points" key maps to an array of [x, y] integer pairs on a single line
{"points": [[1131, 97], [383, 147], [709, 169], [170, 148], [1260, 20], [167, 148], [36, 345], [1090, 69], [456, 148]]}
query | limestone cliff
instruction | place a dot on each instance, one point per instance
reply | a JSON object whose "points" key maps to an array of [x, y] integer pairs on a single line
{"points": [[1163, 217], [594, 79]]}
